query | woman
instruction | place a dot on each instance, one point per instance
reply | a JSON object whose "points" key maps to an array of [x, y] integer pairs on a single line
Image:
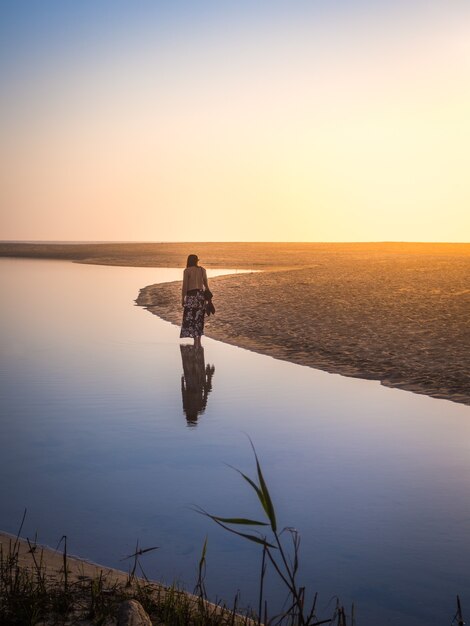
{"points": [[193, 300]]}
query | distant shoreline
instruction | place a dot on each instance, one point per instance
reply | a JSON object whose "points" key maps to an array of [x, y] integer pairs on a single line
{"points": [[244, 255]]}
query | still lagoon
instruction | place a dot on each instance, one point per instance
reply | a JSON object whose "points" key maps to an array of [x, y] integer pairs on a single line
{"points": [[111, 432]]}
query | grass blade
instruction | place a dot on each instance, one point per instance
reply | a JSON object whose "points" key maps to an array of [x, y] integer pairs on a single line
{"points": [[240, 520], [268, 505], [259, 492], [254, 538]]}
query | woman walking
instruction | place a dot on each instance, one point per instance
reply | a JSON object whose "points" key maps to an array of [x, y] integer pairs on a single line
{"points": [[193, 300]]}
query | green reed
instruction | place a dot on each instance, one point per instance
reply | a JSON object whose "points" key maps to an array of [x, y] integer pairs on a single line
{"points": [[31, 595], [280, 549]]}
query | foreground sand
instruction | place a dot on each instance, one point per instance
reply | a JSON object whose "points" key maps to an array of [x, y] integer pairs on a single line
{"points": [[394, 312], [113, 585], [51, 565], [53, 561]]}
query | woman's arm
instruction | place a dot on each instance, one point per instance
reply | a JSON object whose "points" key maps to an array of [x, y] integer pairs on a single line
{"points": [[184, 289], [204, 278]]}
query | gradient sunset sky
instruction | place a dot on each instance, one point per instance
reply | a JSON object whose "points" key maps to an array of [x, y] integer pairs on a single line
{"points": [[235, 121]]}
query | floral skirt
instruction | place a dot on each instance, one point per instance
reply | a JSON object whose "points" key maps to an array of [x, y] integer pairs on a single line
{"points": [[193, 314]]}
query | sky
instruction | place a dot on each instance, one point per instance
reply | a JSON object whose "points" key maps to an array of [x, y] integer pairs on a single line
{"points": [[319, 120]]}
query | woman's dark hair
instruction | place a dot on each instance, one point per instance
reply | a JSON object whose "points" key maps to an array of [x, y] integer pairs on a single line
{"points": [[192, 260]]}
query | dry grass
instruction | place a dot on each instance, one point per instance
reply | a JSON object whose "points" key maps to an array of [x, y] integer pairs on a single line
{"points": [[39, 586]]}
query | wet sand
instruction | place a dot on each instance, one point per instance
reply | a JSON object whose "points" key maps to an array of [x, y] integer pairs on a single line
{"points": [[394, 312], [401, 319]]}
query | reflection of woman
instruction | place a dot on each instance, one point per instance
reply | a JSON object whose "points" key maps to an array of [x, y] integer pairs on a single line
{"points": [[194, 284], [196, 382]]}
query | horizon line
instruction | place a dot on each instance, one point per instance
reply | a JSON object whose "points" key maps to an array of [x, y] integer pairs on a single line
{"points": [[146, 241]]}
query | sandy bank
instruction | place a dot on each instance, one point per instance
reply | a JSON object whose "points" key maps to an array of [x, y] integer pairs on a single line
{"points": [[53, 561], [402, 319], [47, 570], [93, 593]]}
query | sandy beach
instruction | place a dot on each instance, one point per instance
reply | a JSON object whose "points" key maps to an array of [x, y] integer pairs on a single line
{"points": [[394, 312]]}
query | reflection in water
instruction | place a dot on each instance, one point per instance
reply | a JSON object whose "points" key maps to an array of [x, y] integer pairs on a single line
{"points": [[196, 382]]}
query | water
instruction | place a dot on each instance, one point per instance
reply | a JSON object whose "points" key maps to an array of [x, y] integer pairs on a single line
{"points": [[101, 442]]}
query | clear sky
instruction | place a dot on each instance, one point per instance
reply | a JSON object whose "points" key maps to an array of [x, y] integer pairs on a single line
{"points": [[323, 120]]}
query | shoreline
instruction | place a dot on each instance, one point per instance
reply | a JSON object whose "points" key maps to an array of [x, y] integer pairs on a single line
{"points": [[85, 582], [397, 313], [403, 323], [53, 560], [214, 255], [301, 358]]}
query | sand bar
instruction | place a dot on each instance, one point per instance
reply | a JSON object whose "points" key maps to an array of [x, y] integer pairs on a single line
{"points": [[394, 312], [222, 255]]}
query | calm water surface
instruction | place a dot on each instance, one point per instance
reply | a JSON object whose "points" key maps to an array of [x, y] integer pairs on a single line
{"points": [[111, 432]]}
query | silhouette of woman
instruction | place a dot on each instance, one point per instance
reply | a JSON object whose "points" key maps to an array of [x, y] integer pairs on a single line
{"points": [[193, 299], [196, 382]]}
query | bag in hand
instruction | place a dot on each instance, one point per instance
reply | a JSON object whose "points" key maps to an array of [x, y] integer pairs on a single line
{"points": [[210, 308]]}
